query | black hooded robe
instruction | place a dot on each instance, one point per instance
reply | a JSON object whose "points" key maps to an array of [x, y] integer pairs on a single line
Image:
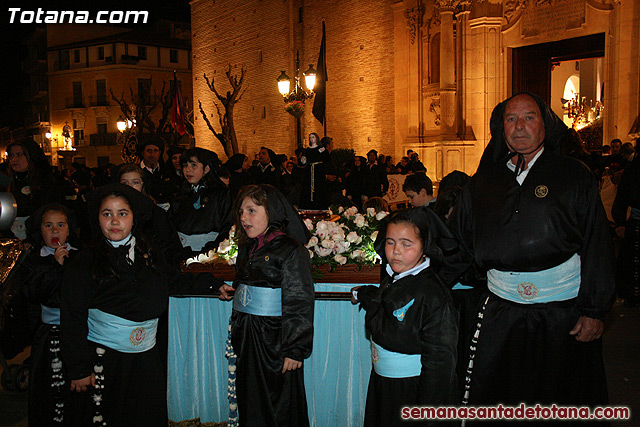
{"points": [[524, 351]]}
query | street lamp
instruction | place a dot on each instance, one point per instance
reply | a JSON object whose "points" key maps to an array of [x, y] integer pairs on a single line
{"points": [[121, 124], [294, 98]]}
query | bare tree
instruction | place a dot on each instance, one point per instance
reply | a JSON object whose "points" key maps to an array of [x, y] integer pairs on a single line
{"points": [[227, 135], [140, 108]]}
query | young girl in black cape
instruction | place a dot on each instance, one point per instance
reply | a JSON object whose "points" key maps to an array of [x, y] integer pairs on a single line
{"points": [[272, 320], [411, 322], [114, 292], [50, 228]]}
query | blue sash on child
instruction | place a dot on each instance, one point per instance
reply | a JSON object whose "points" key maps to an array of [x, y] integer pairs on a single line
{"points": [[258, 300], [559, 283], [197, 241], [121, 334], [50, 315], [394, 365]]}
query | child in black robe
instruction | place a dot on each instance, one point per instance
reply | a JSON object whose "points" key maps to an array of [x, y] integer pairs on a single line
{"points": [[272, 320], [114, 292], [411, 322], [202, 211], [50, 229]]}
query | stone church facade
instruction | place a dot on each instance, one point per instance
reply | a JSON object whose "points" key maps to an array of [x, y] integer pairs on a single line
{"points": [[417, 74]]}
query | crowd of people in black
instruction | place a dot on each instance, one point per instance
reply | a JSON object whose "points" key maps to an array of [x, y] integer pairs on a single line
{"points": [[138, 222]]}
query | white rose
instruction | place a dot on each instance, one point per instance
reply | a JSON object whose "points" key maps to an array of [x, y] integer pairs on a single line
{"points": [[342, 246], [322, 252], [357, 254], [232, 231], [354, 238], [351, 211], [328, 243], [340, 209], [359, 221], [310, 253], [371, 211], [224, 247], [340, 259], [312, 242], [381, 215], [309, 224], [374, 235]]}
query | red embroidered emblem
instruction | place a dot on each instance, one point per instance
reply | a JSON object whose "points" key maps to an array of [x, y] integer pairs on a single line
{"points": [[137, 336], [527, 290], [374, 354]]}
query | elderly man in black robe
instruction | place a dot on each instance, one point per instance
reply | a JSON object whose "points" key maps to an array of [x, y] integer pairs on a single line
{"points": [[533, 219]]}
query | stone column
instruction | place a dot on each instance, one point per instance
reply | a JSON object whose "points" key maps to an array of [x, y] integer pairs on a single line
{"points": [[447, 65]]}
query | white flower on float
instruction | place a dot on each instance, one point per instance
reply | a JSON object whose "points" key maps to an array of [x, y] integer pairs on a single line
{"points": [[311, 254], [381, 215], [354, 238], [350, 211], [342, 246], [328, 243], [358, 254], [309, 224], [359, 221], [340, 259], [374, 235], [340, 209], [232, 231], [371, 211], [224, 247], [322, 252], [313, 241]]}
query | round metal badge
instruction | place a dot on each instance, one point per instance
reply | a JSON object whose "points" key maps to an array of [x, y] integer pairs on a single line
{"points": [[541, 191]]}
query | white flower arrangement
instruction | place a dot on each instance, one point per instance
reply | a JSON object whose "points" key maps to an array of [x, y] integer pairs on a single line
{"points": [[347, 240]]}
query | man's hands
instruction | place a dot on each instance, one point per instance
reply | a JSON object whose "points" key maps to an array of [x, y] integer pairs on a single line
{"points": [[223, 292], [587, 329]]}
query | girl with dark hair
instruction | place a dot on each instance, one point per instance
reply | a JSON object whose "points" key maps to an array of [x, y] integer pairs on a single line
{"points": [[202, 211], [32, 183], [114, 293], [51, 228], [272, 320], [411, 322]]}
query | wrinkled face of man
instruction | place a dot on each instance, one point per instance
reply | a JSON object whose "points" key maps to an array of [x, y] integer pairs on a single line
{"points": [[523, 125]]}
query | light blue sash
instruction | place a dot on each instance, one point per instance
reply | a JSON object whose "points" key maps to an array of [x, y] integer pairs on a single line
{"points": [[559, 283], [121, 334], [258, 300], [394, 365], [197, 241], [50, 315]]}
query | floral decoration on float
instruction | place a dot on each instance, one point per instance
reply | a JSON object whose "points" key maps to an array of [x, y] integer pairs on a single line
{"points": [[340, 246]]}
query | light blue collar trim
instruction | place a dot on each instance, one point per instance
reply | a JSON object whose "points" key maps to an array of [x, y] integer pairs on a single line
{"points": [[411, 272], [126, 240], [46, 250]]}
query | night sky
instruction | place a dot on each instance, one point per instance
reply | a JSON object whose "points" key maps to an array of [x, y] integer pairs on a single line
{"points": [[13, 81]]}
